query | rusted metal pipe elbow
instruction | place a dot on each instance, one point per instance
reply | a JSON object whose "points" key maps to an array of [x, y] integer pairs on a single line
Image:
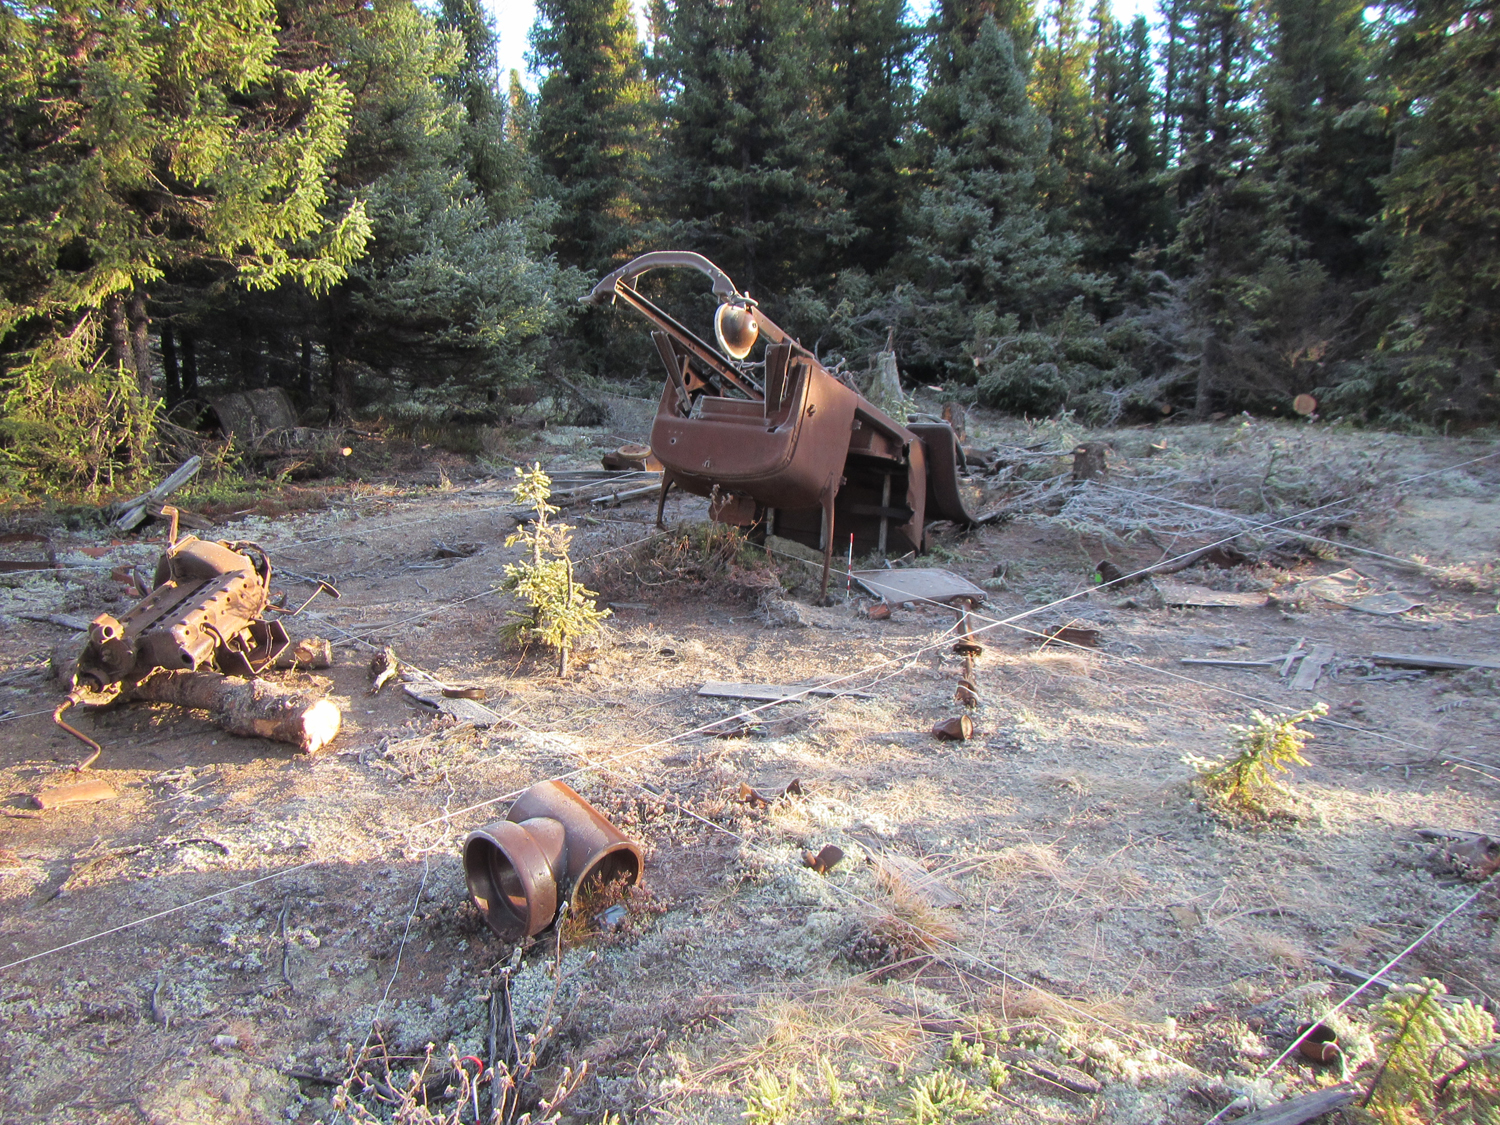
{"points": [[521, 870]]}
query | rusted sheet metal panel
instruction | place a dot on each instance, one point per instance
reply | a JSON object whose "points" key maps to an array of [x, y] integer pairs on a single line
{"points": [[817, 460]]}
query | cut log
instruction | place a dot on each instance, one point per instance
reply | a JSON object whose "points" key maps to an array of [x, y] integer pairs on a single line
{"points": [[253, 708]]}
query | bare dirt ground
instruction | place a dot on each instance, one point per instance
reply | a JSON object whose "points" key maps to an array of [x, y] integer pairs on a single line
{"points": [[1131, 955]]}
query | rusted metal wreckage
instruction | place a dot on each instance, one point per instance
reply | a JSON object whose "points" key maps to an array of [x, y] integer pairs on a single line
{"points": [[206, 611], [782, 445]]}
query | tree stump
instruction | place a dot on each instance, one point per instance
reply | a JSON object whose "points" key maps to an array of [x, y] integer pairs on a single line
{"points": [[1088, 461]]}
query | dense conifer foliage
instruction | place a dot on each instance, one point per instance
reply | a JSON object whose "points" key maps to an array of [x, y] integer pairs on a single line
{"points": [[1213, 209]]}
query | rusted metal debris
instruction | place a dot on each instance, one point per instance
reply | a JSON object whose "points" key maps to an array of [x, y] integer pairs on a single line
{"points": [[205, 614], [824, 860], [959, 729], [206, 608], [784, 446], [920, 584], [756, 799], [1320, 1043], [523, 869]]}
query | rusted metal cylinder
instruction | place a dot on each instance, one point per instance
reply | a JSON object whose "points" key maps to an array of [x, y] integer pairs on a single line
{"points": [[521, 869]]}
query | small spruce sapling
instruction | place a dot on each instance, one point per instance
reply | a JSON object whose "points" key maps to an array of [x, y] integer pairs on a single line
{"points": [[562, 609], [1440, 1060], [1268, 746]]}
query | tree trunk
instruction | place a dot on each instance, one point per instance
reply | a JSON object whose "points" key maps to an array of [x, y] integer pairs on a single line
{"points": [[253, 708], [171, 376], [117, 332], [189, 366], [340, 387], [1204, 398], [305, 372], [140, 344]]}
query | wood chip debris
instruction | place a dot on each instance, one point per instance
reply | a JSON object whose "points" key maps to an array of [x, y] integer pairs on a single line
{"points": [[1186, 594], [911, 877], [773, 693], [82, 793]]}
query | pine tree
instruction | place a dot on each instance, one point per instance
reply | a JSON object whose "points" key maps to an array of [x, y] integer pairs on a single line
{"points": [[595, 125], [746, 176]]}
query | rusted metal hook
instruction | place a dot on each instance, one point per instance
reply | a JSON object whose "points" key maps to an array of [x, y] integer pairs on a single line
{"points": [[57, 717]]}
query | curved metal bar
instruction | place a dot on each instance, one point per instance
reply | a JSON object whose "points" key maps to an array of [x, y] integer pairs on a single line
{"points": [[665, 259], [57, 717]]}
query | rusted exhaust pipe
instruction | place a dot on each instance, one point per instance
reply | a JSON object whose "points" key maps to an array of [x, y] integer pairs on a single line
{"points": [[522, 869]]}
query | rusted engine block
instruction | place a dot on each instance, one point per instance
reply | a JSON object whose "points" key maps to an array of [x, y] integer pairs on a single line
{"points": [[205, 610]]}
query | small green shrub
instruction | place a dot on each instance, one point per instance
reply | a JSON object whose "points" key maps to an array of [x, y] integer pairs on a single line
{"points": [[562, 609], [769, 1101], [944, 1096], [1267, 747]]}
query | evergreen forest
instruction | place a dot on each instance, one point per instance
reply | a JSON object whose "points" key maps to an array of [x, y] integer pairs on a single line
{"points": [[1045, 208]]}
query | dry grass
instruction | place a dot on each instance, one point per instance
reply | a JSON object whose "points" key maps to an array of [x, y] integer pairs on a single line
{"points": [[850, 1020]]}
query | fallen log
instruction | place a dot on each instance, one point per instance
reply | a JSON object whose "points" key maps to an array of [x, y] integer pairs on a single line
{"points": [[253, 708], [136, 511]]}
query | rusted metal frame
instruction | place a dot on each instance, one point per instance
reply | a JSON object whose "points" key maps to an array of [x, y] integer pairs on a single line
{"points": [[668, 355], [723, 287], [697, 348]]}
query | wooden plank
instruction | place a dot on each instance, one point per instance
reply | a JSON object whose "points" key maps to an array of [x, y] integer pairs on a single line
{"points": [[1435, 663], [1312, 667], [1295, 1111], [134, 512], [772, 693]]}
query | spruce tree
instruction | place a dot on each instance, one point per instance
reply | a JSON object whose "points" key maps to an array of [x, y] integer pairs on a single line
{"points": [[983, 245], [135, 146], [1060, 89], [1442, 206], [1326, 141], [1123, 207], [871, 105], [595, 124], [1231, 223], [746, 177]]}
